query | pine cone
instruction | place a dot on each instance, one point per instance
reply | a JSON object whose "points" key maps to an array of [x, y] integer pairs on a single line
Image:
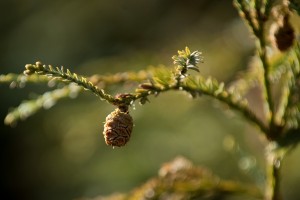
{"points": [[285, 35], [117, 128]]}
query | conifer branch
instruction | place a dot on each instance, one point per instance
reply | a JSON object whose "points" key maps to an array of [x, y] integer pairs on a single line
{"points": [[291, 116], [161, 80], [68, 76], [246, 12], [20, 80], [216, 90], [284, 38], [267, 84], [195, 86], [262, 52], [256, 14], [181, 179], [193, 182], [29, 107], [119, 78]]}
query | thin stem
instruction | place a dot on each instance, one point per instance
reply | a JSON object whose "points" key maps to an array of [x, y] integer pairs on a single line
{"points": [[273, 177], [267, 84], [246, 14], [262, 50], [273, 160], [81, 81]]}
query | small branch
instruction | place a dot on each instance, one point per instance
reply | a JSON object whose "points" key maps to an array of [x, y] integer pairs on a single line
{"points": [[290, 118], [262, 51], [46, 100], [67, 76], [246, 14], [206, 87], [248, 114], [267, 84], [256, 16], [21, 79], [273, 185], [239, 106], [273, 173], [49, 99]]}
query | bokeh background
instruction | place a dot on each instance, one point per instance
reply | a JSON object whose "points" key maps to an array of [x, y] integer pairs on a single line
{"points": [[60, 153]]}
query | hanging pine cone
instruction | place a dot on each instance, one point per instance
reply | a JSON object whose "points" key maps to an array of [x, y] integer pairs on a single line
{"points": [[285, 35], [117, 128]]}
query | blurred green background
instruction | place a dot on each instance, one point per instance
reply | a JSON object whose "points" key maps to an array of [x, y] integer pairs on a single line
{"points": [[60, 153]]}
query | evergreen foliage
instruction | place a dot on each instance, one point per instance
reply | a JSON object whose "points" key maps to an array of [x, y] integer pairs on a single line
{"points": [[281, 123]]}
